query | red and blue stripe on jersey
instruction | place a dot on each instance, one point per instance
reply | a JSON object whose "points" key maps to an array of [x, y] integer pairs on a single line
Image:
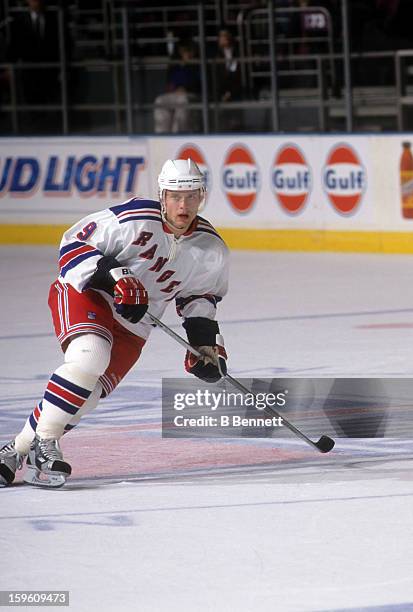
{"points": [[150, 210], [204, 226], [75, 253], [137, 210]]}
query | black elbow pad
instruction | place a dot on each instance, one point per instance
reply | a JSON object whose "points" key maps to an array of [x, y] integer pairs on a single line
{"points": [[201, 331], [102, 278]]}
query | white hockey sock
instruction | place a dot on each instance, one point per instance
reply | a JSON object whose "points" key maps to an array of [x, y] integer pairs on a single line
{"points": [[87, 407], [24, 439], [67, 391]]}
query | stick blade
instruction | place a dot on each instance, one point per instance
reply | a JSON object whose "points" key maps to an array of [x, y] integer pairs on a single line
{"points": [[325, 444]]}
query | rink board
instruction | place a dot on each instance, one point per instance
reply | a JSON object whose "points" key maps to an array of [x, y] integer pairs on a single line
{"points": [[267, 192]]}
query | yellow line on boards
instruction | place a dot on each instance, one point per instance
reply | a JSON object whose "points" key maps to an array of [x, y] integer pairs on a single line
{"points": [[318, 240], [31, 234], [251, 239]]}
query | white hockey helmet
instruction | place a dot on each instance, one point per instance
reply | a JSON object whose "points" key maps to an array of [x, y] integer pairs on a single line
{"points": [[181, 175]]}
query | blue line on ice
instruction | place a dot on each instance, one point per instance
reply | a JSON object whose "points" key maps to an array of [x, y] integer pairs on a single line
{"points": [[204, 507], [326, 315]]}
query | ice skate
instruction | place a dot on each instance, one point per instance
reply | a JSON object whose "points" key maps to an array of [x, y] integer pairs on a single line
{"points": [[10, 462], [45, 465]]}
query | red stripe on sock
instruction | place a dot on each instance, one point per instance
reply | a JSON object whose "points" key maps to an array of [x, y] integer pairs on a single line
{"points": [[66, 395]]}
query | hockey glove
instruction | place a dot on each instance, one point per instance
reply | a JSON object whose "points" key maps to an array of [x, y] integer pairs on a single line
{"points": [[212, 366], [129, 295]]}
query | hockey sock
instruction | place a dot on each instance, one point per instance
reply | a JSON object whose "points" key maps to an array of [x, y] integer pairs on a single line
{"points": [[67, 391], [24, 439], [87, 407]]}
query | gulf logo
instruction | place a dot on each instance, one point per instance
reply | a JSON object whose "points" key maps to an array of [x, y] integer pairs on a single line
{"points": [[190, 151], [291, 179], [344, 179], [240, 178]]}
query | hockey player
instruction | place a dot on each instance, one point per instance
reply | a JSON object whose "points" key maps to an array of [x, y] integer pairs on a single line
{"points": [[114, 264]]}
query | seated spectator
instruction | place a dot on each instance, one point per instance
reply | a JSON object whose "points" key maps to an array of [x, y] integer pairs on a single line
{"points": [[171, 112]]}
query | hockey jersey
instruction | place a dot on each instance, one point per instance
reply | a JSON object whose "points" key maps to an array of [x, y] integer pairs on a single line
{"points": [[191, 270]]}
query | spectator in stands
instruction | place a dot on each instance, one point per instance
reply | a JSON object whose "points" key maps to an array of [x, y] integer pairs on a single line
{"points": [[380, 25], [228, 78], [171, 112], [397, 21], [228, 68], [34, 38], [4, 76]]}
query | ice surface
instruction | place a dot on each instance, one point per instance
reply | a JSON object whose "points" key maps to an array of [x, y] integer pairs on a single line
{"points": [[241, 524]]}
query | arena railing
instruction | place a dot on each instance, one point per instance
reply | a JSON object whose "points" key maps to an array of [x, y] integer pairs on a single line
{"points": [[404, 90], [250, 45], [131, 114], [164, 29]]}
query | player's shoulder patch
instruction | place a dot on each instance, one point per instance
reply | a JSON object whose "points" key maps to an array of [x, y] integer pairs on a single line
{"points": [[137, 209], [204, 226]]}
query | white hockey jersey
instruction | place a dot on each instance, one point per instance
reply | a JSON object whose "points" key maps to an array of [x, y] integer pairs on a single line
{"points": [[191, 269]]}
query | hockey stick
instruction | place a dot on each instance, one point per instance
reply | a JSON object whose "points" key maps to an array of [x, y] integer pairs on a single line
{"points": [[324, 444]]}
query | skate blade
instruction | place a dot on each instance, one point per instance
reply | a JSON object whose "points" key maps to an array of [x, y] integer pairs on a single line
{"points": [[37, 478]]}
